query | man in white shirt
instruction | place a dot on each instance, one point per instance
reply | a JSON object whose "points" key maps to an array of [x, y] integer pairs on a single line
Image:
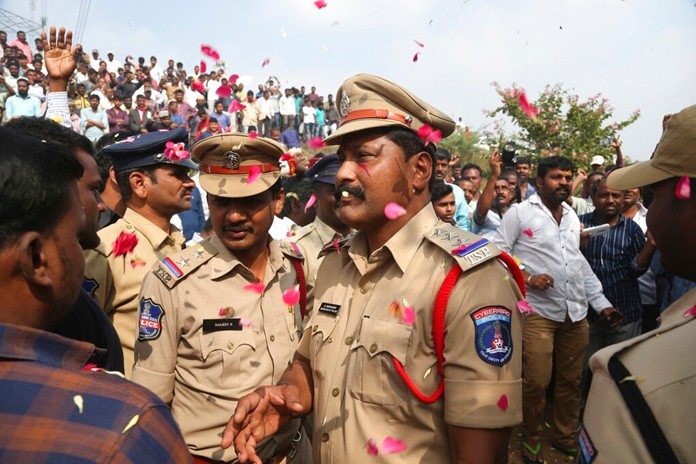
{"points": [[112, 64], [544, 233], [287, 109]]}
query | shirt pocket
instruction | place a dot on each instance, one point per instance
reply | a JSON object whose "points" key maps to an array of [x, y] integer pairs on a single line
{"points": [[225, 355], [375, 379]]}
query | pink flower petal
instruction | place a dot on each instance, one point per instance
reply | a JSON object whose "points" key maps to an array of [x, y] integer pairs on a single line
{"points": [[224, 91], [459, 249], [254, 174], [204, 66], [683, 190], [503, 403], [265, 62], [316, 142], [392, 445], [287, 157], [320, 4], [310, 202], [523, 306], [691, 312], [336, 245], [372, 449], [394, 210], [420, 44], [529, 110], [235, 106], [222, 312], [415, 57], [528, 232], [258, 288], [291, 296], [408, 316], [427, 134], [233, 78], [253, 134], [197, 86], [210, 51], [246, 323], [364, 168]]}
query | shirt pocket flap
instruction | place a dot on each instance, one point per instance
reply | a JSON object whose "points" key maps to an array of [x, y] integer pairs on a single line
{"points": [[227, 341], [378, 337]]}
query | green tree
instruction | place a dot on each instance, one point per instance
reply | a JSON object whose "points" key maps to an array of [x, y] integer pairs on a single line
{"points": [[466, 144], [564, 124]]}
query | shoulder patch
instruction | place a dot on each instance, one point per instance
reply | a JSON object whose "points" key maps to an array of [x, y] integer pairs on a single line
{"points": [[149, 320], [335, 245], [493, 341], [90, 286], [174, 268], [289, 248], [467, 249]]}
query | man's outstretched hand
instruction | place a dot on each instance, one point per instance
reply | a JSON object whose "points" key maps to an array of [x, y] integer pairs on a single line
{"points": [[258, 415], [60, 57]]}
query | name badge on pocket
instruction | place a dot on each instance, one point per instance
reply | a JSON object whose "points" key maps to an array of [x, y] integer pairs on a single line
{"points": [[218, 325], [329, 308]]}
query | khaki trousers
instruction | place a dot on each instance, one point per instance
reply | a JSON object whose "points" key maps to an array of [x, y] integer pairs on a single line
{"points": [[548, 345]]}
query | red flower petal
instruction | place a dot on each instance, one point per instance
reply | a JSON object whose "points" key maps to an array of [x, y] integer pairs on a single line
{"points": [[235, 106], [224, 91], [265, 62], [420, 44], [197, 86], [691, 312], [204, 66], [415, 57], [210, 51], [233, 78], [310, 202], [503, 403], [529, 110], [408, 316], [528, 232], [258, 288], [254, 174], [683, 190], [523, 306], [372, 449], [393, 211], [427, 134], [291, 296], [287, 157], [392, 445], [125, 243], [222, 312], [316, 142], [320, 4]]}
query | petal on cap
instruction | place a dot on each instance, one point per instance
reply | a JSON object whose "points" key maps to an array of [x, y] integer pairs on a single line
{"points": [[254, 174], [691, 312]]}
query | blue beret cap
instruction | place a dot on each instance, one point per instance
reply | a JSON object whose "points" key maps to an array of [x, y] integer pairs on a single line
{"points": [[147, 150], [324, 170]]}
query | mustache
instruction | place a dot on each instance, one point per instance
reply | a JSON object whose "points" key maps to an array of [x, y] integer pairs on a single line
{"points": [[230, 227], [355, 191]]}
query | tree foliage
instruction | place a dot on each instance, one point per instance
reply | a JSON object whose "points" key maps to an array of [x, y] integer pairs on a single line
{"points": [[564, 124], [466, 144]]}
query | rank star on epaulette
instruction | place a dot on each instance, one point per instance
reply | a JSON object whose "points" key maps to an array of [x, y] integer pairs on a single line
{"points": [[437, 231], [183, 262], [452, 235], [198, 254]]}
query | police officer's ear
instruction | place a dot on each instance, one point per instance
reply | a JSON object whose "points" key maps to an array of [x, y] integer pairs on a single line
{"points": [[139, 183], [422, 170], [279, 200]]}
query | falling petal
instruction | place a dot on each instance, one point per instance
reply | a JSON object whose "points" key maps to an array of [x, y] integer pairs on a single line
{"points": [[253, 134], [503, 403], [232, 79], [235, 106], [528, 109], [265, 62], [523, 306], [409, 316], [427, 373], [335, 23], [364, 168], [79, 402], [310, 202], [320, 4], [316, 142], [394, 211], [392, 445], [528, 232], [691, 312], [198, 86], [210, 51], [420, 44], [291, 296], [204, 66], [394, 309], [130, 424], [224, 91], [223, 312], [429, 135], [372, 449], [415, 57], [287, 157], [683, 190], [258, 288], [282, 32], [246, 323]]}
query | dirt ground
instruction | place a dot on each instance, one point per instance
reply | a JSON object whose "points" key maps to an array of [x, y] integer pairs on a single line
{"points": [[550, 456]]}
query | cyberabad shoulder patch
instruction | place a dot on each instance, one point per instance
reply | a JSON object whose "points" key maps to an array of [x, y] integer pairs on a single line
{"points": [[493, 335], [90, 286], [150, 320]]}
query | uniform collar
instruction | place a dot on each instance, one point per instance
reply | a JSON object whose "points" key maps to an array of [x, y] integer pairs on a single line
{"points": [[22, 343], [152, 233], [225, 261], [325, 231]]}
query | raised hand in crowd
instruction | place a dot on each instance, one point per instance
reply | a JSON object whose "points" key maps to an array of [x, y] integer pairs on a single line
{"points": [[60, 56]]}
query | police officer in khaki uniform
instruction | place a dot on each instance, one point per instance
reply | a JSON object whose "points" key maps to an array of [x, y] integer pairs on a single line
{"points": [[641, 403], [215, 319], [327, 229], [367, 362], [154, 188]]}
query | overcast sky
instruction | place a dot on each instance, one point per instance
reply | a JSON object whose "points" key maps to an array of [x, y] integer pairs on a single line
{"points": [[638, 53]]}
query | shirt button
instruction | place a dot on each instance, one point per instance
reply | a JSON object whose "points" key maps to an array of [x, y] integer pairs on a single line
{"points": [[128, 226], [230, 345], [364, 289], [373, 348], [324, 437], [292, 338], [314, 329], [272, 338], [335, 392], [290, 308], [349, 340]]}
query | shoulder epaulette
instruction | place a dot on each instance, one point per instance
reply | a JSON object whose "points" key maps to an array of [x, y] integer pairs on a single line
{"points": [[297, 234], [290, 249], [335, 245], [109, 234], [467, 249], [174, 268]]}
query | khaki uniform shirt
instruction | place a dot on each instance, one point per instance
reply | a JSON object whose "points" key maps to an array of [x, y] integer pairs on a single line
{"points": [[115, 281], [664, 367], [200, 359], [352, 339], [310, 239]]}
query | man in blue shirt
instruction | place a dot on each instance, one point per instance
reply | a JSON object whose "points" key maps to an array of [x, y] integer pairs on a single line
{"points": [[461, 214], [22, 104]]}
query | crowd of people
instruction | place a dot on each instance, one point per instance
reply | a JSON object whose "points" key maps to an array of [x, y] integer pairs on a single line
{"points": [[382, 301]]}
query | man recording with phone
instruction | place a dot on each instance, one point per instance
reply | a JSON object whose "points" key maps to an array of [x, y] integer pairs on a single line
{"points": [[618, 257]]}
